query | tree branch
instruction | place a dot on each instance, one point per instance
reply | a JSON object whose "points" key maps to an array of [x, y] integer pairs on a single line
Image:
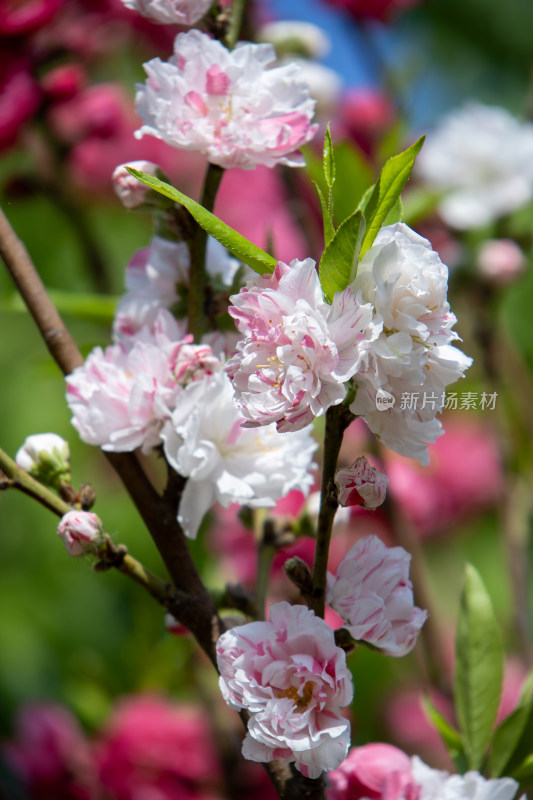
{"points": [[159, 515], [337, 420]]}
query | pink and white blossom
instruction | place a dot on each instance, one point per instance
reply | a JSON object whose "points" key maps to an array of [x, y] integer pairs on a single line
{"points": [[361, 485], [155, 277], [412, 359], [382, 772], [372, 592], [170, 12], [205, 441], [80, 532], [293, 680], [121, 397], [297, 351], [130, 191], [233, 106]]}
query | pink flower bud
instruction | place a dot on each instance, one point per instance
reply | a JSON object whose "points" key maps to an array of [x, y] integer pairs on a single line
{"points": [[80, 531], [132, 192], [361, 485], [500, 261]]}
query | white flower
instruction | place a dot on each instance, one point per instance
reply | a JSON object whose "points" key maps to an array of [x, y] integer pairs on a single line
{"points": [[80, 531], [372, 592], [293, 679], [170, 12], [482, 157], [226, 463], [412, 360], [227, 104], [438, 785], [298, 351], [154, 277], [296, 36]]}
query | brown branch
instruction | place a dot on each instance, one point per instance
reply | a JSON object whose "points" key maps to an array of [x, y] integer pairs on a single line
{"points": [[159, 515]]}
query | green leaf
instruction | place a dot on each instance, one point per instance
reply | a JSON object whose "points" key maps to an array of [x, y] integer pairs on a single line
{"points": [[387, 190], [451, 738], [363, 202], [396, 213], [338, 265], [524, 772], [328, 160], [233, 241], [506, 738], [353, 174], [478, 668], [329, 230]]}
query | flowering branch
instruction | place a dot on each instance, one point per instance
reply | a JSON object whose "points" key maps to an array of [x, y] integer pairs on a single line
{"points": [[159, 514]]}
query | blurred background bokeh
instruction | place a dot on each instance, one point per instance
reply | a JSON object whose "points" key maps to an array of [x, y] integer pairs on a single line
{"points": [[77, 643]]}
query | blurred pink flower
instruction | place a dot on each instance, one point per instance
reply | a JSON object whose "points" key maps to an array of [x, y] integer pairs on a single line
{"points": [[500, 261], [374, 772], [98, 125], [372, 592], [382, 10], [292, 678], [63, 82], [153, 749], [19, 99], [255, 203], [21, 18], [464, 475], [50, 755], [366, 114]]}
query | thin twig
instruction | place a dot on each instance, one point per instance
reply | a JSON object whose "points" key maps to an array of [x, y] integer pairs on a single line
{"points": [[337, 420]]}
